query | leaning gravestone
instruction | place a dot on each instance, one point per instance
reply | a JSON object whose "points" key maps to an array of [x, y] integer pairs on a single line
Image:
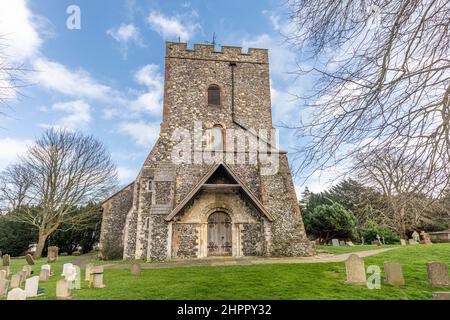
{"points": [[96, 280], [52, 254], [136, 269], [394, 274], [403, 242], [441, 295], [31, 286], [6, 260], [63, 290], [17, 294], [335, 242], [44, 275], [29, 259], [27, 270], [87, 275], [354, 267], [438, 274], [3, 287]]}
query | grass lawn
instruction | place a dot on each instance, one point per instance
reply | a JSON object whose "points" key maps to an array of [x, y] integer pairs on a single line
{"points": [[347, 249], [287, 281]]}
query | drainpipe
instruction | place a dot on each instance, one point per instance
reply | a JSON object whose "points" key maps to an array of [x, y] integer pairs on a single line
{"points": [[232, 65]]}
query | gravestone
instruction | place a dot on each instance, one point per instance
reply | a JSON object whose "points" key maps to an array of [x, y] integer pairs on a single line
{"points": [[77, 284], [415, 236], [46, 267], [7, 270], [362, 240], [3, 274], [403, 242], [52, 254], [4, 283], [342, 243], [379, 240], [335, 242], [31, 286], [16, 280], [136, 269], [44, 275], [6, 259], [437, 274], [349, 243], [96, 280], [354, 267], [394, 274], [412, 241], [69, 273], [63, 290], [27, 270], [29, 259], [87, 275], [441, 295], [17, 294]]}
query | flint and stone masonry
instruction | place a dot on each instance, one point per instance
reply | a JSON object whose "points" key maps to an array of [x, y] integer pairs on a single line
{"points": [[190, 210]]}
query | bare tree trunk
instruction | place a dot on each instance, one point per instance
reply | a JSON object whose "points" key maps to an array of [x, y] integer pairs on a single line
{"points": [[41, 243]]}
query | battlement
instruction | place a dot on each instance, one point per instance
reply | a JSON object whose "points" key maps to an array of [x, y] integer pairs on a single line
{"points": [[207, 52]]}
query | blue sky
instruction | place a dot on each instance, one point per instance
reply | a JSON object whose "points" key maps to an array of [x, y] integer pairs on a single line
{"points": [[107, 78]]}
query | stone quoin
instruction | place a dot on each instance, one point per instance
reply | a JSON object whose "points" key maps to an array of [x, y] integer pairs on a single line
{"points": [[185, 205]]}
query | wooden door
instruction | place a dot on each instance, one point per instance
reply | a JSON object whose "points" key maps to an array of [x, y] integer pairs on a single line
{"points": [[219, 234]]}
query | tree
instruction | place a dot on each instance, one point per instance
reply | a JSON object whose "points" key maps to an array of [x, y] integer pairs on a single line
{"points": [[328, 221], [408, 184], [15, 181], [381, 78], [15, 237], [68, 169]]}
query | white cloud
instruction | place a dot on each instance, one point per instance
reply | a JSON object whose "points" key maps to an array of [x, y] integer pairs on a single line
{"points": [[143, 134], [11, 149], [173, 27], [79, 115], [124, 35], [76, 83], [18, 28], [126, 174]]}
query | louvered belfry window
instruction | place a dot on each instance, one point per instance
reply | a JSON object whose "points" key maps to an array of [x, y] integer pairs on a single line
{"points": [[214, 95]]}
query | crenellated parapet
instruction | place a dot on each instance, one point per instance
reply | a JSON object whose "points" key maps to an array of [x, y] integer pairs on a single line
{"points": [[208, 52]]}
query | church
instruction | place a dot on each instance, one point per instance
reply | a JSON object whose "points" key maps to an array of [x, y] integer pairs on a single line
{"points": [[215, 183]]}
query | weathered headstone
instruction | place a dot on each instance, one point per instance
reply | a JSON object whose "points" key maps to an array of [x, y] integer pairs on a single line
{"points": [[52, 254], [77, 284], [27, 270], [136, 269], [4, 283], [17, 294], [394, 274], [403, 242], [6, 260], [379, 240], [415, 236], [69, 273], [350, 243], [441, 295], [96, 280], [63, 290], [342, 243], [412, 241], [87, 275], [335, 242], [438, 274], [29, 259], [362, 240], [3, 274], [44, 275], [7, 270], [31, 286], [16, 280], [67, 268], [354, 267]]}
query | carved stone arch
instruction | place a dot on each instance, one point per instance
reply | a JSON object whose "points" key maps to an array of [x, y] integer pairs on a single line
{"points": [[214, 207]]}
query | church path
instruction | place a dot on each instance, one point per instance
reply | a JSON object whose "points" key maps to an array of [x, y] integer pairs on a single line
{"points": [[320, 258]]}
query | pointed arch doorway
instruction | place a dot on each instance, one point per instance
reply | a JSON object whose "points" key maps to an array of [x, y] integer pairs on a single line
{"points": [[219, 234]]}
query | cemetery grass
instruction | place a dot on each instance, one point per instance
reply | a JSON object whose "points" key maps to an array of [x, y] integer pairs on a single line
{"points": [[277, 281], [348, 249]]}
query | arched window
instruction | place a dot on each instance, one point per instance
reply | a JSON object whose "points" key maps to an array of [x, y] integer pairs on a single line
{"points": [[214, 95]]}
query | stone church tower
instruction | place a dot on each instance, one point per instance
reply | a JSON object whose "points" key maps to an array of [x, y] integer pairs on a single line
{"points": [[214, 183]]}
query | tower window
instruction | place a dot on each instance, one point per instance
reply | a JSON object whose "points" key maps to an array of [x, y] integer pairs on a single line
{"points": [[214, 95]]}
